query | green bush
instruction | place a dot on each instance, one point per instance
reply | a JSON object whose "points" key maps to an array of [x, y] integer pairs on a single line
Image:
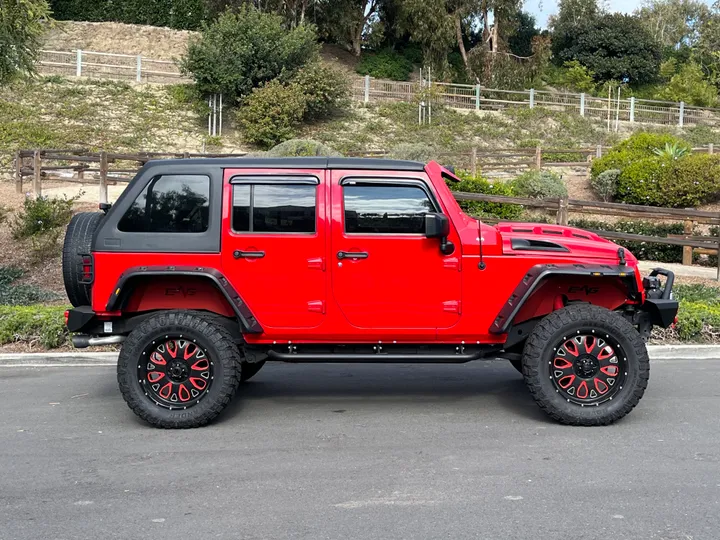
{"points": [[385, 64], [686, 182], [605, 184], [326, 90], [20, 295], [415, 152], [480, 209], [243, 49], [41, 214], [44, 325], [271, 114], [539, 185], [179, 14], [637, 146], [642, 250], [301, 148]]}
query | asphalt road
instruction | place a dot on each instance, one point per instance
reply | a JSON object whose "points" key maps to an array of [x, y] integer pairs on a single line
{"points": [[372, 452]]}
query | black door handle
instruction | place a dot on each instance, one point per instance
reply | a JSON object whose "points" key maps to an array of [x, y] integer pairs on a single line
{"points": [[248, 254], [352, 255]]}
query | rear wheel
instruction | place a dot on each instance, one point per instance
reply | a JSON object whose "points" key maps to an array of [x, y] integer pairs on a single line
{"points": [[586, 365], [249, 369], [76, 265], [178, 369]]}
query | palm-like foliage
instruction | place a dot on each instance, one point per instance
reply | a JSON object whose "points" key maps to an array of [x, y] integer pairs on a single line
{"points": [[672, 151]]}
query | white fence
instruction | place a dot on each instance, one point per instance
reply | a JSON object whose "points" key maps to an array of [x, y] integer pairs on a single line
{"points": [[369, 90], [106, 65], [465, 96]]}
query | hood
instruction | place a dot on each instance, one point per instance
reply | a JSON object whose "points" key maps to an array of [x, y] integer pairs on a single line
{"points": [[556, 240]]}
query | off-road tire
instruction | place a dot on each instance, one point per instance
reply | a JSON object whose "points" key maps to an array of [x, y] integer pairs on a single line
{"points": [[200, 328], [78, 241], [250, 369], [540, 351]]}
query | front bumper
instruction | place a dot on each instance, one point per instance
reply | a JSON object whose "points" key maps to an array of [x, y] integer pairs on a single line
{"points": [[659, 304]]}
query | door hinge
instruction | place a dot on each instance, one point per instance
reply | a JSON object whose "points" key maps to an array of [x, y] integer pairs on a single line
{"points": [[452, 306], [316, 306]]}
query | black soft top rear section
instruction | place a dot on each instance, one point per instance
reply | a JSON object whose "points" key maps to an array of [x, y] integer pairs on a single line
{"points": [[367, 164]]}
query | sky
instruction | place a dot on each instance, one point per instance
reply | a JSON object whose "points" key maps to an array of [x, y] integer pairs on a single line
{"points": [[543, 8]]}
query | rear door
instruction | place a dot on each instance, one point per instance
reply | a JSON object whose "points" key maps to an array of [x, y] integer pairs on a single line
{"points": [[273, 245], [385, 273]]}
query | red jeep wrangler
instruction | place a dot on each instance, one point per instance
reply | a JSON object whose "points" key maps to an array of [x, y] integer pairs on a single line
{"points": [[204, 269]]}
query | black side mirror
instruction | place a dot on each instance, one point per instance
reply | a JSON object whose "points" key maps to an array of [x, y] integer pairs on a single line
{"points": [[436, 226]]}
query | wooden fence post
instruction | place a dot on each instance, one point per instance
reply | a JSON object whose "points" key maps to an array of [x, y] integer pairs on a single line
{"points": [[103, 177], [598, 151], [687, 250], [538, 157], [473, 161], [18, 173], [37, 171], [562, 216]]}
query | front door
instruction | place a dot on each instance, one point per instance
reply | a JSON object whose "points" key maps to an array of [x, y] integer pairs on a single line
{"points": [[274, 246], [385, 273]]}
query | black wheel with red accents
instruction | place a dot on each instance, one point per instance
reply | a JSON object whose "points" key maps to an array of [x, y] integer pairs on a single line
{"points": [[179, 369], [586, 365]]}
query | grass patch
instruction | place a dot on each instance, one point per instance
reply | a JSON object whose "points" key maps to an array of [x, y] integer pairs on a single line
{"points": [[33, 325]]}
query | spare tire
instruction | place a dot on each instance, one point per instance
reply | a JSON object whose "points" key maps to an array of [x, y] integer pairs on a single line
{"points": [[76, 249]]}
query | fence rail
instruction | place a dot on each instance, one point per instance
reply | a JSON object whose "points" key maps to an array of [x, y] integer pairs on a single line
{"points": [[116, 167], [81, 63], [476, 97]]}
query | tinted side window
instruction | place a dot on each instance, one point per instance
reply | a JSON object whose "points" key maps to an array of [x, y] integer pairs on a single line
{"points": [[170, 203], [274, 208], [385, 209]]}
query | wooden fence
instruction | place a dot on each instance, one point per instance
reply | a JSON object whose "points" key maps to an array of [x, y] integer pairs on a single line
{"points": [[110, 168]]}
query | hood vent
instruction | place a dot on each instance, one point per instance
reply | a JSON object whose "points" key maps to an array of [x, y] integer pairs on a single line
{"points": [[532, 244]]}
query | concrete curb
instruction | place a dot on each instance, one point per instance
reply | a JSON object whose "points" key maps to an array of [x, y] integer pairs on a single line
{"points": [[78, 359]]}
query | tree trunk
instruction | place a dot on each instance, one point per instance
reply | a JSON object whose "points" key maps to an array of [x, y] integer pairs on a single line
{"points": [[461, 44]]}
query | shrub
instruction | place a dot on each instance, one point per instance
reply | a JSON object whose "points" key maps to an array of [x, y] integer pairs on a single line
{"points": [[415, 152], [42, 214], [245, 48], [385, 64], [19, 295], [271, 114], [33, 325], [300, 148], [326, 89], [642, 250], [605, 184], [4, 213], [539, 185], [45, 245], [635, 147], [687, 182], [470, 184], [690, 86]]}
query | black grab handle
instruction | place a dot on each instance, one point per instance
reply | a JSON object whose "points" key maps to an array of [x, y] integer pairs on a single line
{"points": [[248, 254], [352, 255]]}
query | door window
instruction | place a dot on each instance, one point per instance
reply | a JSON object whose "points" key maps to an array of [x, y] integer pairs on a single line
{"points": [[174, 203], [274, 208], [385, 209]]}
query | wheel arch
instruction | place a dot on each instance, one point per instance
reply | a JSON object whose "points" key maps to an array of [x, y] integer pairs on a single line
{"points": [[149, 288], [547, 287]]}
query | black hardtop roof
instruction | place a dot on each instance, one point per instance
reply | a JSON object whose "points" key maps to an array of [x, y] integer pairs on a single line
{"points": [[368, 164]]}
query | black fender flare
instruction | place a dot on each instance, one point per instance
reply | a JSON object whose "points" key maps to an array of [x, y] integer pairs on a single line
{"points": [[538, 273], [122, 290]]}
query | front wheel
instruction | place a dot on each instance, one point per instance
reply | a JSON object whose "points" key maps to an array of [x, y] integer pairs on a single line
{"points": [[178, 369], [586, 365]]}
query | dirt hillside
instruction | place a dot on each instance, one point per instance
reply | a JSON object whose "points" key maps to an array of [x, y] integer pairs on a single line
{"points": [[151, 41]]}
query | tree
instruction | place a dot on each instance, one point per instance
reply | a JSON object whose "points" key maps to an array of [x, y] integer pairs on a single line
{"points": [[689, 85], [520, 40], [346, 20], [674, 22], [246, 48], [21, 26], [613, 46], [572, 13]]}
